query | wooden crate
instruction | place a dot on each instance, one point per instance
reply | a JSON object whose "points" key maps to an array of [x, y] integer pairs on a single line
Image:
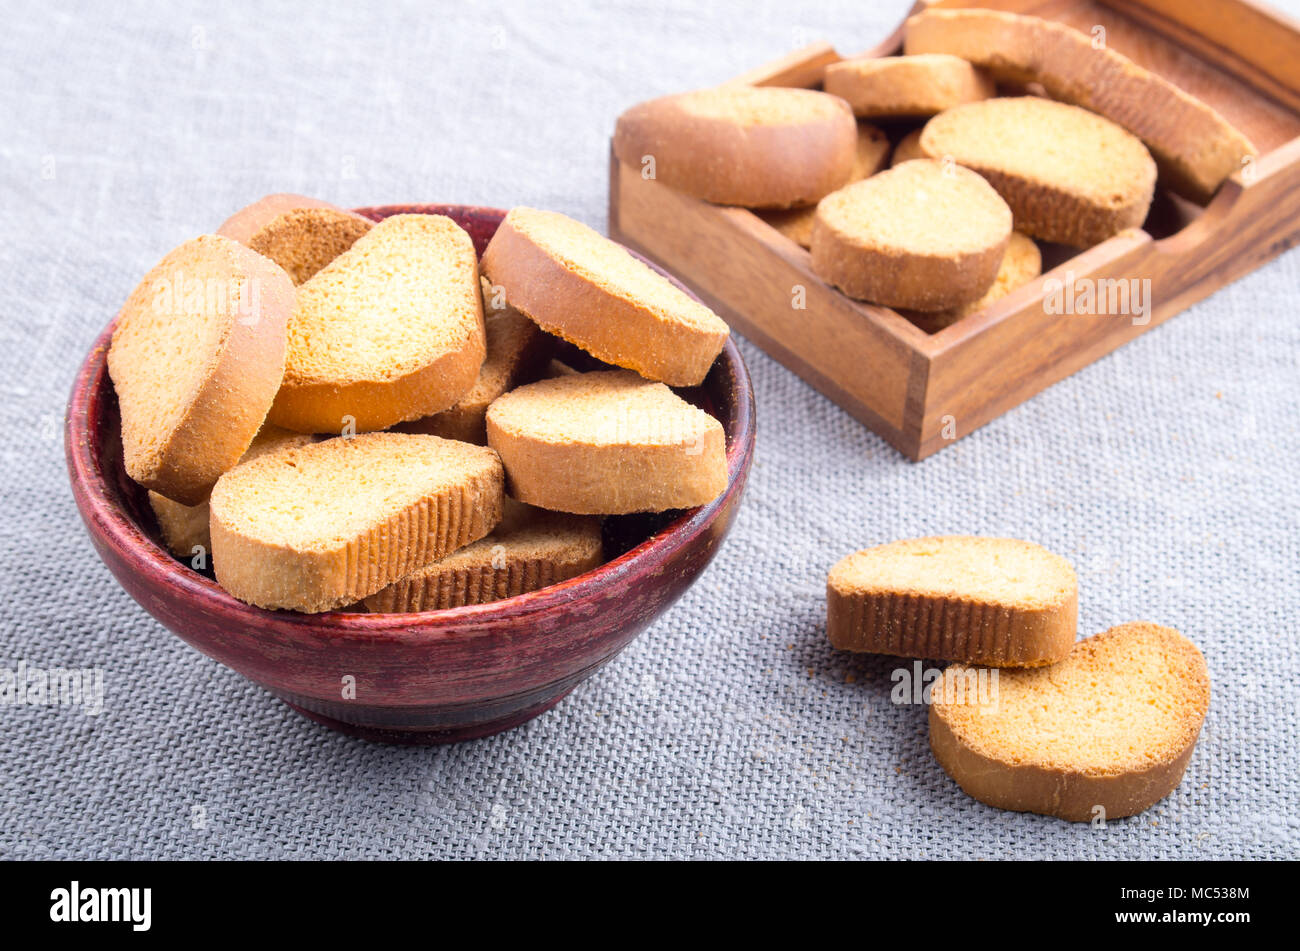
{"points": [[922, 391]]}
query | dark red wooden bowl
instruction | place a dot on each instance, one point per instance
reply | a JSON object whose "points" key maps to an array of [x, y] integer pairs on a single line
{"points": [[434, 677]]}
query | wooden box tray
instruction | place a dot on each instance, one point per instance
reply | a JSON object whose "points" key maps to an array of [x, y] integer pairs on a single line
{"points": [[921, 391]]}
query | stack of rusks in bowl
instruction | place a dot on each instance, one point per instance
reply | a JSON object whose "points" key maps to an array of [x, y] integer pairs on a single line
{"points": [[343, 413]]}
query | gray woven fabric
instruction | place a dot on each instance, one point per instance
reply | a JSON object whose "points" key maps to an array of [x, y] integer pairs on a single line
{"points": [[1165, 471]]}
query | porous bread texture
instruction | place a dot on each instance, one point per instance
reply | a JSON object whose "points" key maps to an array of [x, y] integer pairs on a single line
{"points": [[249, 220], [999, 602], [607, 443], [529, 549], [185, 527], [925, 235], [1021, 264], [1108, 731], [313, 528], [796, 223], [908, 148], [1195, 147], [760, 147], [196, 358], [588, 290], [391, 330], [899, 86], [517, 352], [1069, 175], [304, 240]]}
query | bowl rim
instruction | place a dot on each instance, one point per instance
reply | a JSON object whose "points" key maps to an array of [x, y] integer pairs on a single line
{"points": [[143, 555]]}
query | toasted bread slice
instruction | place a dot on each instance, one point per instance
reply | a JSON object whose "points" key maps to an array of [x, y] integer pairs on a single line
{"points": [[1000, 602], [1195, 147], [1021, 264], [196, 358], [304, 240], [313, 528], [908, 148], [796, 223], [1069, 176], [760, 147], [1105, 733], [529, 549], [185, 527], [391, 330], [898, 86], [517, 352], [925, 235], [590, 291], [607, 443], [249, 220]]}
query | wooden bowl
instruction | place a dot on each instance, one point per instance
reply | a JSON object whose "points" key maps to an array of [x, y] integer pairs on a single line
{"points": [[432, 677]]}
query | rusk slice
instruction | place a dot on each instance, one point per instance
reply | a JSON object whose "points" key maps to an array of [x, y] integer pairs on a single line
{"points": [[760, 147], [1105, 733], [391, 330], [590, 291], [1195, 147], [607, 443], [304, 240], [298, 233], [993, 601], [185, 527], [1021, 264], [908, 148], [196, 358], [517, 351], [312, 528], [1069, 175], [796, 223], [529, 549], [894, 86], [925, 235]]}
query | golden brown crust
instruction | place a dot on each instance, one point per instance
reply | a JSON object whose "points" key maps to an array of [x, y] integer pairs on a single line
{"points": [[1001, 767], [412, 275], [528, 550], [248, 221], [1195, 147], [607, 443], [760, 147], [1015, 145], [223, 399], [951, 613], [304, 240], [919, 85], [1021, 264], [673, 339], [457, 500], [855, 244]]}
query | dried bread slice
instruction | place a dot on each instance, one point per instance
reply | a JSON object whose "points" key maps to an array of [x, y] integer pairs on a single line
{"points": [[1195, 147], [1021, 264], [313, 528], [899, 86], [196, 358], [796, 223], [529, 549], [908, 148], [760, 147], [1107, 732], [390, 330], [994, 601], [298, 233], [1069, 175], [304, 240], [517, 351], [925, 235], [607, 443], [185, 527], [590, 291]]}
